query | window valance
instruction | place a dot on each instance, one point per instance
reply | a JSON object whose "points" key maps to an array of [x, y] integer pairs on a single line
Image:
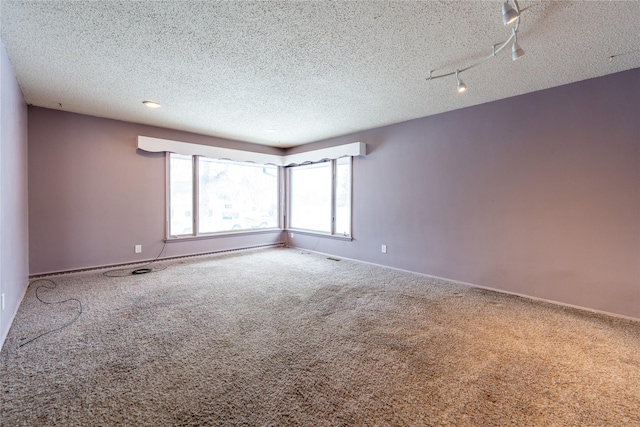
{"points": [[157, 145]]}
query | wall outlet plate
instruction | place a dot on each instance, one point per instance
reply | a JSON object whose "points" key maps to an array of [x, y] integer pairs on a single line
{"points": [[138, 249], [384, 249]]}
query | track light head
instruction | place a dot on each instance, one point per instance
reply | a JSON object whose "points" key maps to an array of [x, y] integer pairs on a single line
{"points": [[509, 15], [461, 86], [516, 51]]}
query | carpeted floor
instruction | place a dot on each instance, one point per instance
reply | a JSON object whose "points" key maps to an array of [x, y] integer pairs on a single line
{"points": [[280, 337]]}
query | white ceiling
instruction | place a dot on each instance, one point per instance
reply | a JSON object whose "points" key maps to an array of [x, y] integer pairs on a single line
{"points": [[311, 70]]}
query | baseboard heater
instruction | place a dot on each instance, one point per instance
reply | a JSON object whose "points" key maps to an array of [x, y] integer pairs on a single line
{"points": [[129, 264]]}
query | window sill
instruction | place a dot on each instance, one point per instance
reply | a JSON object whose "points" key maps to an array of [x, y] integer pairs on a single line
{"points": [[319, 234], [175, 239]]}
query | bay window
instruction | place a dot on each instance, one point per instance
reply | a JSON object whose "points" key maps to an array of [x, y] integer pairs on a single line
{"points": [[208, 196]]}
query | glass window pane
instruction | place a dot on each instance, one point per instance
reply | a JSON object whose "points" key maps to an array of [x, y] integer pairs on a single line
{"points": [[180, 194], [343, 196], [236, 196], [310, 197]]}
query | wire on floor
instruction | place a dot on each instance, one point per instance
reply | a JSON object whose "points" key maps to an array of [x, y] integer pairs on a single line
{"points": [[144, 269], [54, 285]]}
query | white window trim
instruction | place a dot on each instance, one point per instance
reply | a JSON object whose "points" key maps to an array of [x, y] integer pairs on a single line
{"points": [[157, 145], [333, 233], [196, 235]]}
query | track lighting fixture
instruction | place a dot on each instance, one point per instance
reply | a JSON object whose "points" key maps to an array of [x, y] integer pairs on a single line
{"points": [[461, 86], [617, 55], [516, 50], [509, 16], [151, 104]]}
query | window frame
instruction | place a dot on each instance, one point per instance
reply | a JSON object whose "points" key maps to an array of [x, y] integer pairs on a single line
{"points": [[196, 234], [332, 233]]}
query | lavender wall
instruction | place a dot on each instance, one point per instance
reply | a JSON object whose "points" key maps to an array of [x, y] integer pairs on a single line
{"points": [[14, 252], [537, 194], [93, 195]]}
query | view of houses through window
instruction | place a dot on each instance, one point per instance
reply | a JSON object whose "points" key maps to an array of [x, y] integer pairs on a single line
{"points": [[230, 196], [209, 196]]}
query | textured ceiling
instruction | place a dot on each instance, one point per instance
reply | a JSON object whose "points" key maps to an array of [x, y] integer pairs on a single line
{"points": [[310, 70]]}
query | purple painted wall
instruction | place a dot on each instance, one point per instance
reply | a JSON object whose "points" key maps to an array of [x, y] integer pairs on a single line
{"points": [[537, 194], [14, 232], [93, 195]]}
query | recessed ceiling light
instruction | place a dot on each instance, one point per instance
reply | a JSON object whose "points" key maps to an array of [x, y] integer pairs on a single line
{"points": [[271, 130], [151, 104]]}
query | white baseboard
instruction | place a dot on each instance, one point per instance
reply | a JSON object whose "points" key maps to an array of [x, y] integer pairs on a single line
{"points": [[471, 285], [144, 262], [13, 316]]}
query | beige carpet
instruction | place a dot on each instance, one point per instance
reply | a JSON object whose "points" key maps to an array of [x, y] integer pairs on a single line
{"points": [[280, 337]]}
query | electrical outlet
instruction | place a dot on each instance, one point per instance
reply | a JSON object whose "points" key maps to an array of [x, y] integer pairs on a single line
{"points": [[138, 249], [384, 249], [2, 298]]}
